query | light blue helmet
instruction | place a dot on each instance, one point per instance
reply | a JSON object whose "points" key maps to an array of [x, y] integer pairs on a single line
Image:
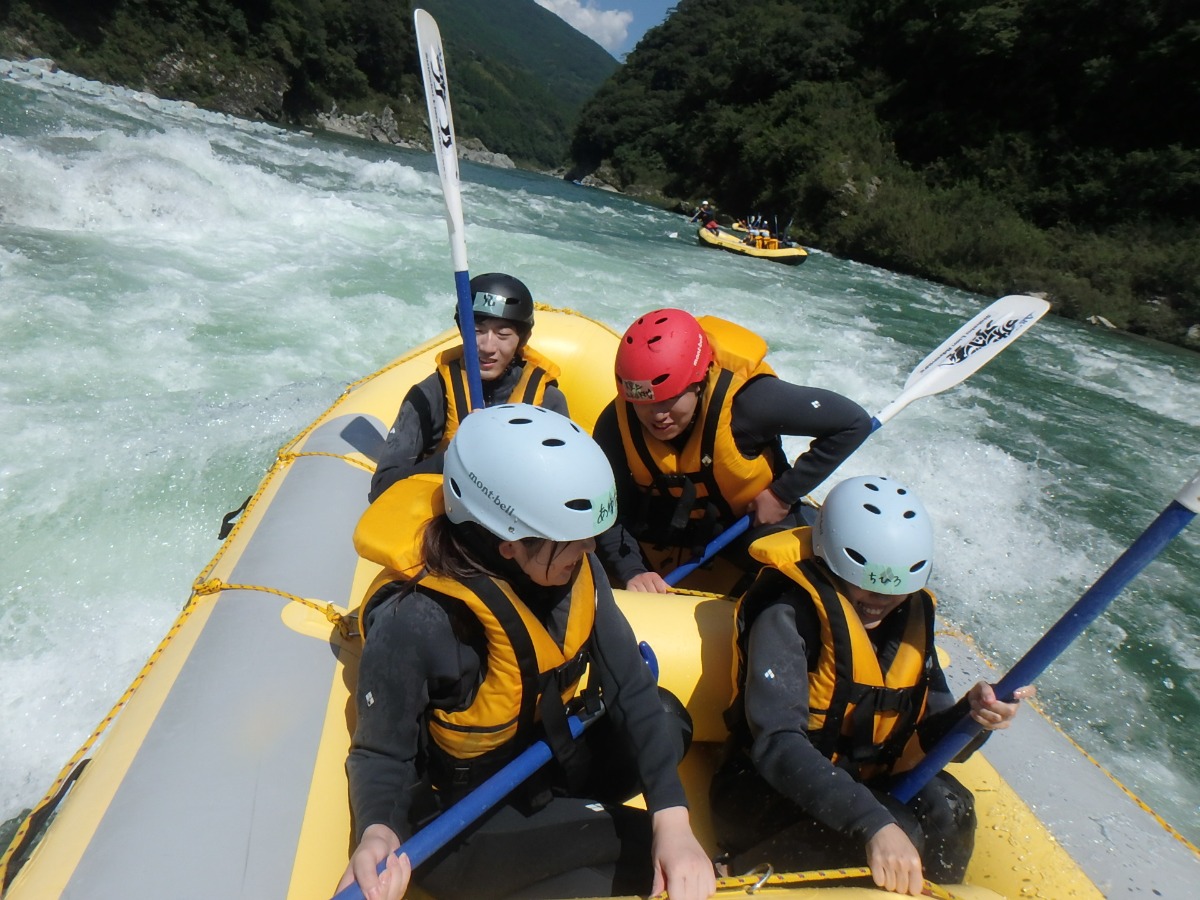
{"points": [[523, 471], [874, 533]]}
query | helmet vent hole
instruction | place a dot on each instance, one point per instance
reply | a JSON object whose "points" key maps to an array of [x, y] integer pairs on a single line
{"points": [[917, 567], [871, 487], [654, 340], [856, 556], [520, 421], [553, 442], [901, 491], [660, 379], [910, 514], [455, 488], [872, 509], [578, 505]]}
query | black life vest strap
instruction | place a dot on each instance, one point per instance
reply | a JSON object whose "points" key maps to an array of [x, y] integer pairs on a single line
{"points": [[828, 737], [554, 720], [458, 384], [708, 444], [466, 773], [536, 376], [859, 747]]}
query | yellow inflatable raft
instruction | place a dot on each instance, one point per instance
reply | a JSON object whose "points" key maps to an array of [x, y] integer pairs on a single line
{"points": [[219, 773], [761, 248]]}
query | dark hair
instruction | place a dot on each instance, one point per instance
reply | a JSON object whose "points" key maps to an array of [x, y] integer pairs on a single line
{"points": [[468, 549]]}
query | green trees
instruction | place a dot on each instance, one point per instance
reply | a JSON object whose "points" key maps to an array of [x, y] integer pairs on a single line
{"points": [[268, 58], [1018, 145], [519, 72]]}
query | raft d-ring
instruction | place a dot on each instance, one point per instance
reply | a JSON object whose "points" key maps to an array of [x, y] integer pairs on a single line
{"points": [[767, 872]]}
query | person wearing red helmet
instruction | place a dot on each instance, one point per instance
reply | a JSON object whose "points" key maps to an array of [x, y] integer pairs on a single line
{"points": [[695, 437], [509, 370]]}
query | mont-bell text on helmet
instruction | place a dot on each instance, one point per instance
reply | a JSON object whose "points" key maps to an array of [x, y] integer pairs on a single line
{"points": [[506, 508]]}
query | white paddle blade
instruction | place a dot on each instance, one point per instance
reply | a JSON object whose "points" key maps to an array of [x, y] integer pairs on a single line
{"points": [[969, 349], [441, 129]]}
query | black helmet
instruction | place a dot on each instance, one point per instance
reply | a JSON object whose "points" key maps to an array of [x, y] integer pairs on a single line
{"points": [[500, 296]]}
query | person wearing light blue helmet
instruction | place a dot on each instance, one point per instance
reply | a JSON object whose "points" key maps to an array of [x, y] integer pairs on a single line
{"points": [[838, 688], [490, 610]]}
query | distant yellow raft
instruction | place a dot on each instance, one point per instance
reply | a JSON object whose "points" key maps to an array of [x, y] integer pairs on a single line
{"points": [[220, 772], [791, 256]]}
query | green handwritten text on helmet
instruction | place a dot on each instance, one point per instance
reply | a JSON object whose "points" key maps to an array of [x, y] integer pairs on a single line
{"points": [[499, 296], [874, 533], [661, 355], [523, 471]]}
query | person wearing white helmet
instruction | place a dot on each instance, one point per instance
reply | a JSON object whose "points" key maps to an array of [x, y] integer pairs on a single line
{"points": [[510, 371], [838, 688], [705, 215], [490, 610]]}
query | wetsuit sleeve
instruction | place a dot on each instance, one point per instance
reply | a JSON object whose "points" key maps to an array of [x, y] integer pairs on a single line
{"points": [[767, 408], [776, 708], [555, 400], [417, 430], [631, 701], [618, 550], [410, 662], [943, 713]]}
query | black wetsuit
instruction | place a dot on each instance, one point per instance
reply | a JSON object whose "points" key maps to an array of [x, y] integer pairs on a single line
{"points": [[763, 410], [421, 422], [425, 651]]}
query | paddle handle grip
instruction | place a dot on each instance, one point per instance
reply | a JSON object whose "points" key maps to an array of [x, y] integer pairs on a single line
{"points": [[1094, 601]]}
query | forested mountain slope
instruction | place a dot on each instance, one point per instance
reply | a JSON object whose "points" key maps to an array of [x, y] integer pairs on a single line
{"points": [[1014, 145], [519, 73]]}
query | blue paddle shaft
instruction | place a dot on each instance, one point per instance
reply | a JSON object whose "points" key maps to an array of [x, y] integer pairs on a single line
{"points": [[722, 540], [466, 327], [430, 839], [437, 833], [1094, 601]]}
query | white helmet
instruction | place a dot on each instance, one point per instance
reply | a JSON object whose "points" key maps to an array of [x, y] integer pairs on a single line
{"points": [[523, 471], [874, 533]]}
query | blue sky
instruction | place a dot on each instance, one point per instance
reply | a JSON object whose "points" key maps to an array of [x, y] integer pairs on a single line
{"points": [[616, 25]]}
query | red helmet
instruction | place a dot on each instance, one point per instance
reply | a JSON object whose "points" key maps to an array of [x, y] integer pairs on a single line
{"points": [[661, 355]]}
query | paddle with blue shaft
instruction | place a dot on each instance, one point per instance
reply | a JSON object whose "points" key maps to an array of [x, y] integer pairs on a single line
{"points": [[1172, 520], [960, 355], [430, 839], [441, 128]]}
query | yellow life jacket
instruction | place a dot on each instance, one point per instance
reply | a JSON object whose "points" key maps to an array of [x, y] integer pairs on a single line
{"points": [[863, 711], [390, 531], [523, 659], [689, 495], [536, 373]]}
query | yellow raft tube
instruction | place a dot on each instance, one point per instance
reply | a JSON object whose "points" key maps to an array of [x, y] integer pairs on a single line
{"points": [[768, 249], [219, 773]]}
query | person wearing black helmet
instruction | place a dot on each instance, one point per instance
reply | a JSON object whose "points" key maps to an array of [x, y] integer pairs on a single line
{"points": [[509, 369]]}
